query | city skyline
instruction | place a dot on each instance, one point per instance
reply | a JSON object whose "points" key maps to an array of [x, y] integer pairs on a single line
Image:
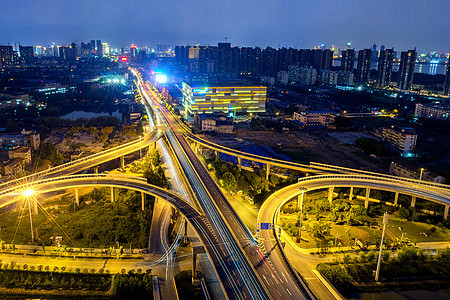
{"points": [[300, 25]]}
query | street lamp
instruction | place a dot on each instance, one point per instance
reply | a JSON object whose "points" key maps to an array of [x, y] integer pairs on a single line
{"points": [[28, 193], [421, 173], [302, 191], [140, 147]]}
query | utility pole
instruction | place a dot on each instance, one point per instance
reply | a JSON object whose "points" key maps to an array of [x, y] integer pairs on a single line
{"points": [[385, 222]]}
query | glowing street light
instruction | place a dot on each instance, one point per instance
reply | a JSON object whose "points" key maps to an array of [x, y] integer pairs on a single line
{"points": [[421, 173], [28, 193]]}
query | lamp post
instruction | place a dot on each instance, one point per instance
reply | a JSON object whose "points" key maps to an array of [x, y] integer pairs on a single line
{"points": [[385, 222], [302, 195], [421, 173], [140, 147], [28, 193]]}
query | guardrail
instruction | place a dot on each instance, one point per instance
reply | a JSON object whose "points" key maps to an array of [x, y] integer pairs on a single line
{"points": [[422, 182], [13, 190], [313, 165], [376, 179], [41, 174]]}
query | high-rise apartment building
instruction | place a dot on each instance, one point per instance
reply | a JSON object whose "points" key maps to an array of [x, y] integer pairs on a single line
{"points": [[26, 54], [6, 56], [447, 79], [224, 57], [99, 49], [406, 70], [364, 66], [348, 60], [385, 63], [322, 59]]}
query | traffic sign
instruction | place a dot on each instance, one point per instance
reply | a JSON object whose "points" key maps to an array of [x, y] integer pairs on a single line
{"points": [[266, 226]]}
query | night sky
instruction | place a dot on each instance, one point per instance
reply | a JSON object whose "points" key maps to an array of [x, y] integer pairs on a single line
{"points": [[403, 24]]}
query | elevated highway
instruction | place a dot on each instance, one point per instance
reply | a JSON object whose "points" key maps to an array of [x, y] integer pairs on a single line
{"points": [[90, 161], [256, 277], [211, 235], [270, 210]]}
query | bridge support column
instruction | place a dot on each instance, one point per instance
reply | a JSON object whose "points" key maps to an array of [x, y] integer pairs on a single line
{"points": [[446, 212], [96, 169], [111, 190], [185, 230], [300, 200], [240, 162], [143, 200], [307, 174], [77, 198], [396, 198], [330, 194], [366, 202], [216, 153], [268, 172], [350, 196], [196, 250], [413, 201], [122, 162]]}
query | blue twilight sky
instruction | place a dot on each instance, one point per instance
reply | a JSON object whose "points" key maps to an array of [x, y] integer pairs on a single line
{"points": [[402, 24]]}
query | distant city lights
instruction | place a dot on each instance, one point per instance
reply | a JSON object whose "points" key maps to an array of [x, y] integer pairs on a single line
{"points": [[161, 78]]}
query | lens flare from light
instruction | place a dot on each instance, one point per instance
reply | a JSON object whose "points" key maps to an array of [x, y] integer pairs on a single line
{"points": [[28, 193]]}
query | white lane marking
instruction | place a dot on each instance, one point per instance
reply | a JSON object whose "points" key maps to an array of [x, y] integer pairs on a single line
{"points": [[266, 280], [288, 292]]}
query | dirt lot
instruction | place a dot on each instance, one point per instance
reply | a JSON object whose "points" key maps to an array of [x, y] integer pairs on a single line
{"points": [[66, 142], [300, 146]]}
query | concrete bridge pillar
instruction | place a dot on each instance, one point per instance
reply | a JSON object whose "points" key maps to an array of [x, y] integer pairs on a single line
{"points": [[366, 202], [196, 250], [240, 162], [446, 212], [216, 153], [396, 198], [300, 200], [111, 189], [330, 194], [307, 174], [268, 172], [143, 200], [96, 169], [77, 198], [122, 162], [413, 201], [350, 196]]}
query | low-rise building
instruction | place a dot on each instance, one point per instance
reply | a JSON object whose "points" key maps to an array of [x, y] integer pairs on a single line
{"points": [[13, 167], [26, 138], [22, 153], [213, 123], [403, 139], [433, 111], [405, 169], [316, 118]]}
